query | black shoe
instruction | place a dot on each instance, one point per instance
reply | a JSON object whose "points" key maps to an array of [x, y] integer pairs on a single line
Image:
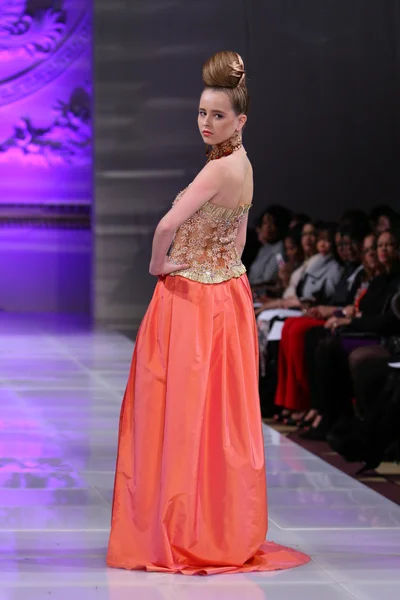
{"points": [[306, 423], [317, 434], [291, 422], [280, 416]]}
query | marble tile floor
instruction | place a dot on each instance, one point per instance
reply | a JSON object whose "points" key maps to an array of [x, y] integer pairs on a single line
{"points": [[61, 383]]}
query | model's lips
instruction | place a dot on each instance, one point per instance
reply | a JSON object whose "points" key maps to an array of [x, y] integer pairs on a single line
{"points": [[206, 132]]}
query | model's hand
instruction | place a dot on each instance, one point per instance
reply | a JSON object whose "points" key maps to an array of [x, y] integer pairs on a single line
{"points": [[166, 268]]}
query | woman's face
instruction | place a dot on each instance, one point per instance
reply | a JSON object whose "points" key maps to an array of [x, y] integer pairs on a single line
{"points": [[343, 243], [387, 249], [348, 249], [308, 239], [324, 245], [268, 231], [370, 260], [217, 120], [382, 224], [291, 250]]}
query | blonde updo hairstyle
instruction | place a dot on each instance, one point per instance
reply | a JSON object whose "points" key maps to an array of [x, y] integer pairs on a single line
{"points": [[224, 71]]}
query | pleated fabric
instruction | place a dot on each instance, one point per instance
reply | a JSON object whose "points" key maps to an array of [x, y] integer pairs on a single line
{"points": [[190, 484]]}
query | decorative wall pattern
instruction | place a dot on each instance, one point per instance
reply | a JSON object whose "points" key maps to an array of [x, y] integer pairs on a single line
{"points": [[46, 167], [45, 101]]}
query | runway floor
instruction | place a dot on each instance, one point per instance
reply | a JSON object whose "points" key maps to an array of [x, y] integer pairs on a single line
{"points": [[61, 385]]}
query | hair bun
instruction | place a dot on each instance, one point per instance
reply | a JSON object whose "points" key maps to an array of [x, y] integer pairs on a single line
{"points": [[224, 69]]}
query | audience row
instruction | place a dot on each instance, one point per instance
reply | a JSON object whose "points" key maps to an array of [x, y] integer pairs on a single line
{"points": [[331, 288]]}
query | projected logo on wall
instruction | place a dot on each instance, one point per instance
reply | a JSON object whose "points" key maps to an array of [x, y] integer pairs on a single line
{"points": [[45, 101]]}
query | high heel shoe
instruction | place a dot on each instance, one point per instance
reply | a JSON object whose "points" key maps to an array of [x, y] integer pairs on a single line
{"points": [[290, 422], [293, 421], [280, 417], [317, 434], [306, 423]]}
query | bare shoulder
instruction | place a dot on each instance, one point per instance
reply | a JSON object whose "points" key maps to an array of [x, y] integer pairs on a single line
{"points": [[217, 170], [226, 170], [248, 165]]}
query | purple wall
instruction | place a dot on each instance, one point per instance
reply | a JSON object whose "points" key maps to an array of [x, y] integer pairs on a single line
{"points": [[45, 153]]}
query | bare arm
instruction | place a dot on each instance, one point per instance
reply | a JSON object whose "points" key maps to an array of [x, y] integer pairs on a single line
{"points": [[203, 188]]}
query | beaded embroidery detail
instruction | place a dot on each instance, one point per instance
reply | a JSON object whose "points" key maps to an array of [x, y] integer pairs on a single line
{"points": [[206, 241], [225, 148]]}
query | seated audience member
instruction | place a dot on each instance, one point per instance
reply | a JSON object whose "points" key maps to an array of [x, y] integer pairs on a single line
{"points": [[293, 390], [289, 275], [373, 434], [352, 245], [388, 266], [271, 229], [328, 363], [382, 218], [369, 364], [316, 279], [293, 258], [321, 274], [294, 253], [319, 280]]}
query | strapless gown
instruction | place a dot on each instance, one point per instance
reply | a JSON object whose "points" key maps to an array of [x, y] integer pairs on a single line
{"points": [[190, 485]]}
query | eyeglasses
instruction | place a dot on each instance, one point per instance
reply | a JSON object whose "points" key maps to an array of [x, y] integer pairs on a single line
{"points": [[369, 249]]}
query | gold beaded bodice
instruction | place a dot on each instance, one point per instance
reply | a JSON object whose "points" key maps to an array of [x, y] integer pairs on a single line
{"points": [[207, 242]]}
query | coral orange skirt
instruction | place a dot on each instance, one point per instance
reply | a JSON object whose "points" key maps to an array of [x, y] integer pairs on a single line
{"points": [[190, 485]]}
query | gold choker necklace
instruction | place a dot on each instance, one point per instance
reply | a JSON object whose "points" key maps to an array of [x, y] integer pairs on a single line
{"points": [[225, 148]]}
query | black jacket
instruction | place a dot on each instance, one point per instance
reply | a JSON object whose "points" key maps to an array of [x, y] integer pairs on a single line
{"points": [[377, 315], [348, 285]]}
